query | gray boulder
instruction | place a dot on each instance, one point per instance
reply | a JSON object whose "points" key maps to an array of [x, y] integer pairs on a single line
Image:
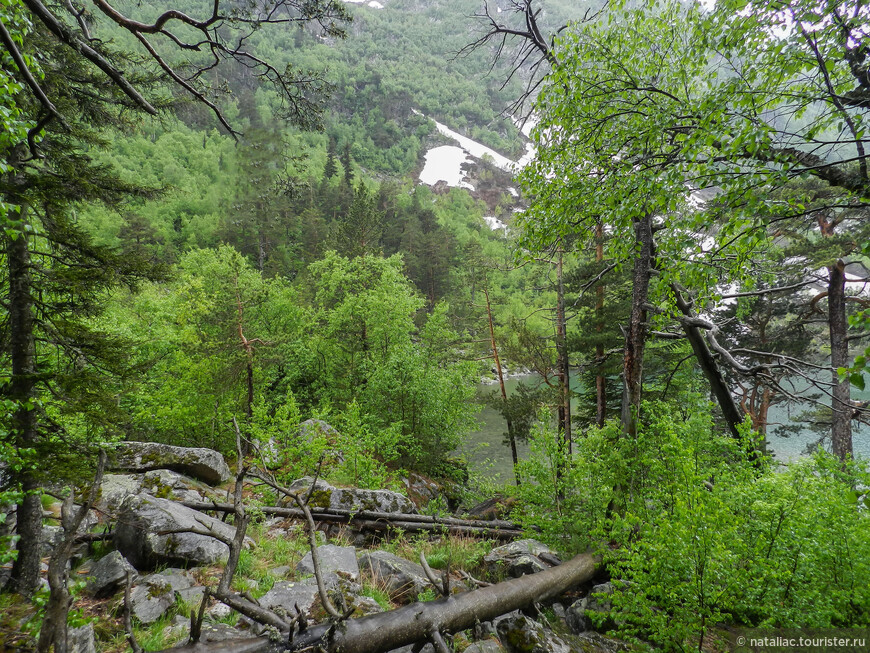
{"points": [[403, 579], [577, 617], [220, 633], [155, 594], [364, 606], [150, 533], [115, 488], [204, 464], [326, 496], [421, 489], [108, 575], [285, 596], [519, 558], [340, 560], [411, 648], [49, 538], [150, 601], [485, 646], [520, 634], [81, 640]]}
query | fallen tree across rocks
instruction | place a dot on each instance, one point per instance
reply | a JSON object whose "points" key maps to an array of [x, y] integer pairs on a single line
{"points": [[419, 622], [365, 520]]}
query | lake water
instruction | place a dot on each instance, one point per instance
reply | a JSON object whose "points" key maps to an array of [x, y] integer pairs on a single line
{"points": [[487, 454]]}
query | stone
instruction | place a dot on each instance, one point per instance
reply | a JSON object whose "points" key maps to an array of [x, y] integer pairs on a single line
{"points": [[149, 533], [326, 496], [115, 488], [421, 489], [81, 639], [191, 595], [518, 558], [410, 648], [160, 483], [204, 464], [340, 560], [284, 597], [166, 484], [150, 601], [576, 617], [177, 579], [220, 633], [497, 507], [364, 606], [219, 611], [485, 646], [108, 575], [484, 630], [49, 539], [403, 579], [280, 572], [520, 634]]}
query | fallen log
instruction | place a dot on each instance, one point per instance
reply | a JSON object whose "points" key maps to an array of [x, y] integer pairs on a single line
{"points": [[379, 521], [417, 622]]}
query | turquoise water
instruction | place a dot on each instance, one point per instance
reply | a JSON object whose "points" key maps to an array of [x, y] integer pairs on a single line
{"points": [[488, 455]]}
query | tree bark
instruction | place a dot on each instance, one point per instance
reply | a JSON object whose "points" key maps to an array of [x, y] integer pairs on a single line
{"points": [[636, 334], [730, 411], [600, 380], [380, 521], [841, 403], [416, 622], [511, 436], [562, 364], [54, 626], [22, 390]]}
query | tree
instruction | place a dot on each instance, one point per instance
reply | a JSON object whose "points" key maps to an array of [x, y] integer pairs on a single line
{"points": [[358, 231], [729, 106], [213, 341], [369, 349], [67, 79]]}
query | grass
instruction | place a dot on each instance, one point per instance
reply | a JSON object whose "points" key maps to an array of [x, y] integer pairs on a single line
{"points": [[457, 551]]}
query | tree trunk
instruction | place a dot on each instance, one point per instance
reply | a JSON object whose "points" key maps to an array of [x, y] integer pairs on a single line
{"points": [[562, 363], [841, 404], [636, 334], [370, 520], [730, 411], [600, 380], [416, 622], [22, 390], [511, 436]]}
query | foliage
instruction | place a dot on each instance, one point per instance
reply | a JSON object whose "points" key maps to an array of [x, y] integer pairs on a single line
{"points": [[699, 536], [372, 352]]}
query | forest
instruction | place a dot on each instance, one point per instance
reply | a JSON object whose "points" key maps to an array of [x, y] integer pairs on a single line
{"points": [[230, 290]]}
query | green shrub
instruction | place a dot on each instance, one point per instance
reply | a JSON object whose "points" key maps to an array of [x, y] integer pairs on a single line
{"points": [[699, 535]]}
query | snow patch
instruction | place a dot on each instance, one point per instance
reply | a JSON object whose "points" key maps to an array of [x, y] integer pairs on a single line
{"points": [[445, 163], [494, 223], [369, 3]]}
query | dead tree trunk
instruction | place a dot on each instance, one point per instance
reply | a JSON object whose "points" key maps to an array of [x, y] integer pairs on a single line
{"points": [[841, 400], [420, 621], [54, 626], [730, 411], [636, 334], [382, 521]]}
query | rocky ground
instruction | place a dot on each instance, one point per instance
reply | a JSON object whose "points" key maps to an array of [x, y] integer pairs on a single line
{"points": [[140, 533]]}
